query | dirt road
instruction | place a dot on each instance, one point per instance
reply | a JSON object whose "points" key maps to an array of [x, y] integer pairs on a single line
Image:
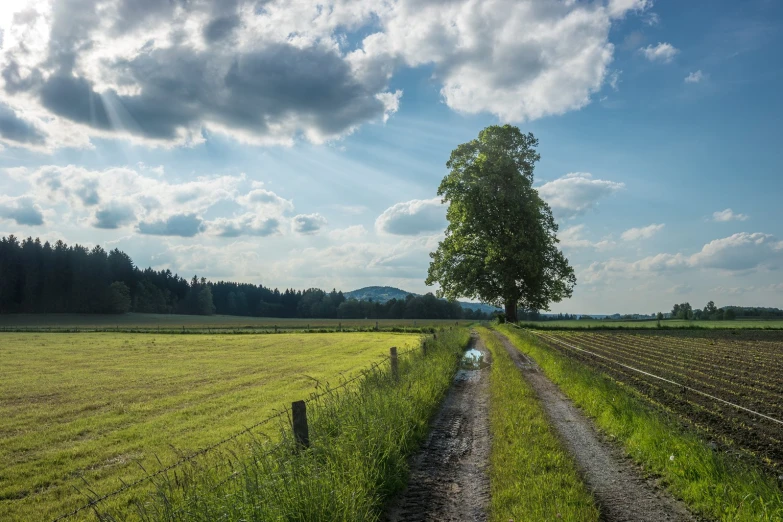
{"points": [[448, 479], [620, 490]]}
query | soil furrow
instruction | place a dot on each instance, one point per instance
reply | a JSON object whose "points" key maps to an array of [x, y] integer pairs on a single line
{"points": [[621, 491], [448, 480]]}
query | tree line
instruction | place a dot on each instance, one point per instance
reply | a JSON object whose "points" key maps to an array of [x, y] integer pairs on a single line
{"points": [[44, 278], [726, 313]]}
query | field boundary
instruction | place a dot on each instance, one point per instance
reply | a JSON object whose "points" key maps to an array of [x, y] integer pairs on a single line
{"points": [[313, 397]]}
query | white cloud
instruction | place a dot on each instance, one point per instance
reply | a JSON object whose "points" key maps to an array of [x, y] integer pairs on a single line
{"points": [[742, 251], [695, 77], [739, 253], [572, 238], [162, 73], [614, 80], [634, 234], [728, 215], [123, 197], [348, 234], [619, 8], [576, 193], [308, 223], [663, 52], [248, 224], [413, 217]]}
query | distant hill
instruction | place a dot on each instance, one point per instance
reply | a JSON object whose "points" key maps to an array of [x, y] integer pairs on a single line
{"points": [[381, 294]]}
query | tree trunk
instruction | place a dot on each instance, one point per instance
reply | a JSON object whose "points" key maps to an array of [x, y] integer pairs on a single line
{"points": [[511, 312]]}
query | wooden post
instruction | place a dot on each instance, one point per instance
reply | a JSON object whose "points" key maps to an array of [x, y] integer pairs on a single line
{"points": [[376, 326], [340, 325], [424, 347], [394, 368], [299, 422], [275, 328]]}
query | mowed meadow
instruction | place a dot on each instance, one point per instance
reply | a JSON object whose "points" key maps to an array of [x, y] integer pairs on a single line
{"points": [[88, 411]]}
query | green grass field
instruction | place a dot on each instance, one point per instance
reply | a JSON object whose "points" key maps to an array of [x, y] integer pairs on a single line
{"points": [[200, 322], [532, 477], [666, 323], [95, 405]]}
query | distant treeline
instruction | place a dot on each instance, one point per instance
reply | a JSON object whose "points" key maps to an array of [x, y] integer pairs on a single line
{"points": [[727, 313], [39, 277]]}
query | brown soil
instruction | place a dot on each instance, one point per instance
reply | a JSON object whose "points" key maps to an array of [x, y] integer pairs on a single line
{"points": [[448, 480], [621, 491]]}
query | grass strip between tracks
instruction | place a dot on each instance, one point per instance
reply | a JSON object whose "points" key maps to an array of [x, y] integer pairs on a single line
{"points": [[360, 441], [532, 477], [713, 484]]}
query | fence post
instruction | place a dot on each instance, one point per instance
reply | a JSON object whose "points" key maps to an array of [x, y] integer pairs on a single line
{"points": [[394, 368], [299, 422], [376, 326], [275, 328], [340, 326], [424, 347]]}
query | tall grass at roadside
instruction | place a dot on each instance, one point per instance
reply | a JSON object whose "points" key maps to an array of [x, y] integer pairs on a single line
{"points": [[361, 438], [532, 477], [712, 483]]}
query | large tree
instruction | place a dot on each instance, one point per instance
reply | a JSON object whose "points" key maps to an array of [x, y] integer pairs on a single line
{"points": [[501, 244]]}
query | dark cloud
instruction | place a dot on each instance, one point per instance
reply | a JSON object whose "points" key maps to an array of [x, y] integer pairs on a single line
{"points": [[179, 90], [183, 225], [221, 27], [276, 90], [114, 216], [15, 129], [23, 211]]}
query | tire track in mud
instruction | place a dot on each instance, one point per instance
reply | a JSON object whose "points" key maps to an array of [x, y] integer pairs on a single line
{"points": [[448, 479], [620, 490]]}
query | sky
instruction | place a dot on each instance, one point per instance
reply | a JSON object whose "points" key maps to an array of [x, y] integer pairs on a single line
{"points": [[301, 144]]}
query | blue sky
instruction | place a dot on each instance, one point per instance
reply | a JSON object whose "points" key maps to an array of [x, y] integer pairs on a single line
{"points": [[303, 146]]}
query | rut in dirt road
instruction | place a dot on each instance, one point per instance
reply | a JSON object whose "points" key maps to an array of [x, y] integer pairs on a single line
{"points": [[621, 492], [448, 480]]}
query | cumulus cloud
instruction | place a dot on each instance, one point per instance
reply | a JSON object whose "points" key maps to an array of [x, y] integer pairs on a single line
{"points": [[245, 225], [22, 210], [183, 225], [308, 223], [411, 218], [728, 215], [165, 72], [681, 289], [576, 193], [620, 7], [572, 238], [663, 52], [634, 234], [739, 253], [695, 77]]}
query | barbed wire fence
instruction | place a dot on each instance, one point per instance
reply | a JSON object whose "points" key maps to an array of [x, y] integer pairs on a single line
{"points": [[97, 499]]}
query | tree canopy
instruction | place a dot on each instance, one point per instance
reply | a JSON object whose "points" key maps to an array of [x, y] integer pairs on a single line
{"points": [[501, 244]]}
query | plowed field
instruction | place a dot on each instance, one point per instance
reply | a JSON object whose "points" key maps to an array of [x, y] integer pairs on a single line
{"points": [[729, 385]]}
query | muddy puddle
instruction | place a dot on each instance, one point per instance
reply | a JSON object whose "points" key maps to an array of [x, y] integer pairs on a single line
{"points": [[473, 360]]}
